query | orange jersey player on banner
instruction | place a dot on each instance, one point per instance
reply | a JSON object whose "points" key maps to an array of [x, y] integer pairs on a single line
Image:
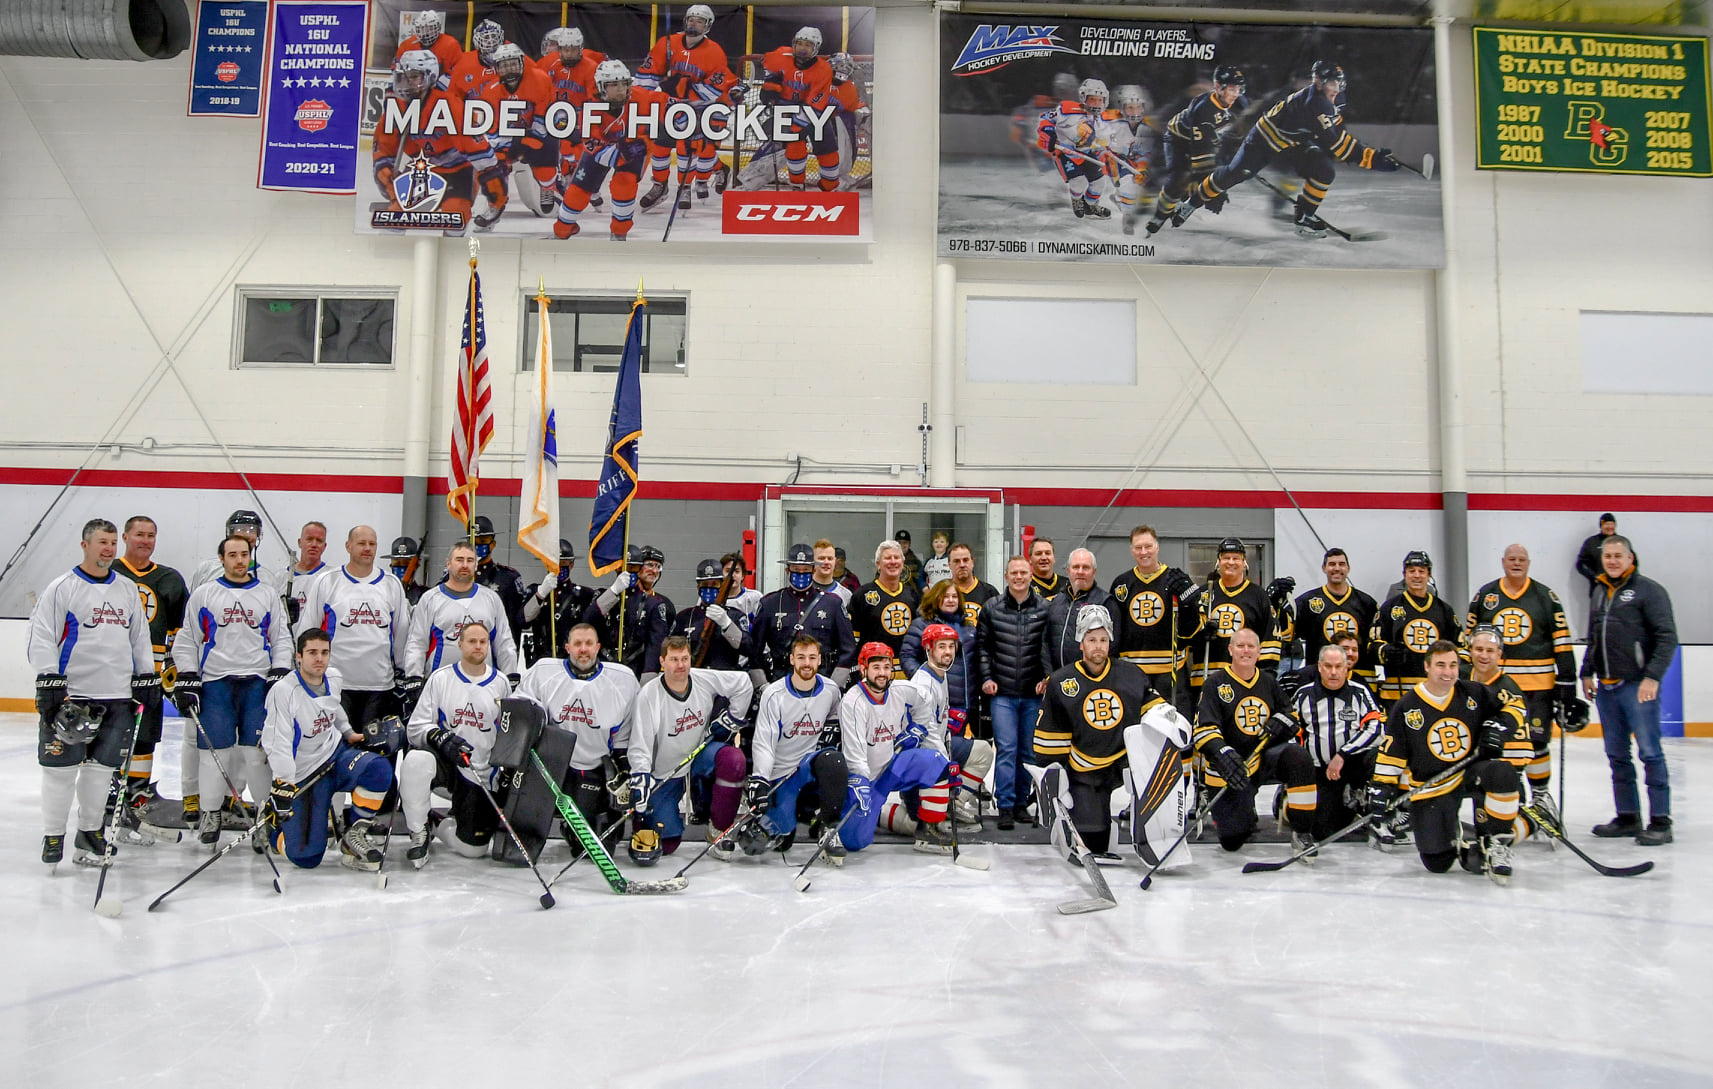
{"points": [[515, 79], [477, 66], [571, 69], [610, 154], [800, 76], [428, 31], [462, 162], [689, 67]]}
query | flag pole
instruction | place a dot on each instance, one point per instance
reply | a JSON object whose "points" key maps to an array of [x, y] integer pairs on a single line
{"points": [[476, 484], [623, 600]]}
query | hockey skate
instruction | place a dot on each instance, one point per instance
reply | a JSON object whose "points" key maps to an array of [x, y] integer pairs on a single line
{"points": [[1182, 213], [53, 849], [1130, 219], [655, 194], [723, 849], [722, 178], [1490, 855], [417, 853], [683, 198], [132, 831], [1079, 206], [358, 850], [1310, 225], [834, 851], [1094, 209], [92, 848], [208, 827], [1155, 222], [489, 216], [701, 190], [932, 838], [563, 230], [1303, 844]]}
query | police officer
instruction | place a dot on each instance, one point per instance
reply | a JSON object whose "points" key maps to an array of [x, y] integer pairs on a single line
{"points": [[406, 555], [647, 616], [725, 627], [800, 607], [554, 608], [496, 576]]}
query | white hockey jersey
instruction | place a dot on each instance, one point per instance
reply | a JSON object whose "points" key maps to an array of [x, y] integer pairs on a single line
{"points": [[302, 729], [93, 631], [788, 725], [439, 618], [936, 701], [665, 727], [297, 584], [464, 703], [368, 620], [209, 570], [596, 709], [743, 604], [232, 631], [869, 728]]}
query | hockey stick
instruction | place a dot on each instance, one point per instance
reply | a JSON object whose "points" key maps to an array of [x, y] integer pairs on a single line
{"points": [[1080, 854], [1551, 827], [380, 871], [1366, 818], [1148, 878], [959, 859], [546, 889], [185, 880], [1425, 171], [632, 811], [677, 201], [591, 843], [115, 799], [801, 881], [232, 788], [742, 821], [1348, 236]]}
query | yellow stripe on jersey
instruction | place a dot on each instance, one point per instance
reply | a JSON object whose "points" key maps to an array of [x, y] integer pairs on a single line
{"points": [[1440, 790], [1272, 135], [1081, 761]]}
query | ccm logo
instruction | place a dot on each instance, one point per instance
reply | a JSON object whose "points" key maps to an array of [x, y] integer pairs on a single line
{"points": [[790, 213]]}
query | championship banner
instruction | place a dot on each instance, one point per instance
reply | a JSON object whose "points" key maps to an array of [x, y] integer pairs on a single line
{"points": [[1188, 143], [588, 124], [312, 104], [227, 57]]}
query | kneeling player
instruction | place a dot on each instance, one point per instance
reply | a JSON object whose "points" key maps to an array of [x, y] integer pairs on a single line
{"points": [[890, 744], [1445, 723], [309, 744], [973, 758], [451, 734], [609, 150], [593, 700], [673, 713], [1245, 731], [795, 759]]}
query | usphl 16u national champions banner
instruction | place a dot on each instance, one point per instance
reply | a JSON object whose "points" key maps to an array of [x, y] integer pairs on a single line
{"points": [[593, 124], [1188, 143]]}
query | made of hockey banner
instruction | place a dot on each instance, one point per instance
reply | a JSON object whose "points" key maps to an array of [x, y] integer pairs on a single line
{"points": [[312, 106], [748, 143], [1003, 195], [227, 57]]}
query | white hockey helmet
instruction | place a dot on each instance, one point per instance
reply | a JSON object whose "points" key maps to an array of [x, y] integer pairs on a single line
{"points": [[508, 62], [1132, 95], [414, 73], [808, 34], [610, 72], [428, 26], [1090, 617], [705, 14], [1093, 88], [488, 36], [563, 39]]}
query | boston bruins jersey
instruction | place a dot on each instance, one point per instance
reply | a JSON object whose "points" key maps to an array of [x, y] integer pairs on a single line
{"points": [[1425, 735], [1049, 587], [1322, 616], [1226, 611], [878, 616], [163, 594], [1414, 624], [1084, 715], [1235, 712], [1538, 652], [1146, 635], [1510, 692]]}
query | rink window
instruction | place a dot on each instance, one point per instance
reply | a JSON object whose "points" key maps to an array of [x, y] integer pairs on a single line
{"points": [[314, 329], [589, 332]]}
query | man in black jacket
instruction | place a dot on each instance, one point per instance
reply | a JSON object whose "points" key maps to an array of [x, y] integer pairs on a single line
{"points": [[1631, 642], [1060, 646], [1008, 650]]}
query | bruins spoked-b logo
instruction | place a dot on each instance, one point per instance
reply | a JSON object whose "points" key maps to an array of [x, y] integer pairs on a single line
{"points": [[1102, 709], [1338, 625], [1146, 609], [1449, 740], [895, 618], [1227, 618], [1249, 714], [1420, 635], [1514, 625]]}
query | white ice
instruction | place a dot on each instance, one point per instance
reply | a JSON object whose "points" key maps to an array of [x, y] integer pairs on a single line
{"points": [[899, 970]]}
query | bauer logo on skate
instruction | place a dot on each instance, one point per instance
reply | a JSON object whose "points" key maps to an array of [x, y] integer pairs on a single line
{"points": [[313, 114], [993, 46], [787, 212]]}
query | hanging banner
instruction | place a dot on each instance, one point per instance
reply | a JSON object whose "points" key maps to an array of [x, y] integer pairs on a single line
{"points": [[1592, 103], [312, 106], [226, 58], [755, 128], [1188, 143]]}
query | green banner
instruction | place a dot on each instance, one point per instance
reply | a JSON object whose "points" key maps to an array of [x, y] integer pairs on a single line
{"points": [[1593, 103]]}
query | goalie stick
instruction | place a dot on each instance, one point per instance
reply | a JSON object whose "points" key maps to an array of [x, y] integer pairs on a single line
{"points": [[1348, 236], [111, 907], [591, 843], [1072, 840]]}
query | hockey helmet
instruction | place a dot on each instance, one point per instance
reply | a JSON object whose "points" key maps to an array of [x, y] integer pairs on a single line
{"points": [[77, 723], [1093, 88], [565, 39], [1233, 544], [1418, 558], [487, 37], [1229, 75], [428, 26], [844, 66], [702, 12], [871, 651], [709, 571], [609, 72], [1130, 95], [811, 36], [1328, 72], [799, 555], [508, 62], [415, 72], [406, 548], [1090, 617], [242, 520], [645, 847], [933, 633], [384, 735]]}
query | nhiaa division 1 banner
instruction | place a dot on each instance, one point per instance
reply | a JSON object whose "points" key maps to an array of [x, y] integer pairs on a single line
{"points": [[1188, 143]]}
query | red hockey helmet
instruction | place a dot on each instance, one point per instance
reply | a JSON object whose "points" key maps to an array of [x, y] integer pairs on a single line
{"points": [[933, 633], [871, 651]]}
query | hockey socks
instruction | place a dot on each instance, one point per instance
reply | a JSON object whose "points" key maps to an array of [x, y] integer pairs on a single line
{"points": [[58, 786], [729, 770]]}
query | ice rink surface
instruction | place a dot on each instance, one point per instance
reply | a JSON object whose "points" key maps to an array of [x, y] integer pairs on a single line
{"points": [[899, 970]]}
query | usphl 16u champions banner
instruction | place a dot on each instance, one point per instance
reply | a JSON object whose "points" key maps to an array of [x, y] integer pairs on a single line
{"points": [[595, 124], [1188, 143]]}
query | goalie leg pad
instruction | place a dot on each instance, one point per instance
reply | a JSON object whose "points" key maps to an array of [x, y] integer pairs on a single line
{"points": [[1160, 794], [516, 731], [830, 773], [529, 803], [416, 784]]}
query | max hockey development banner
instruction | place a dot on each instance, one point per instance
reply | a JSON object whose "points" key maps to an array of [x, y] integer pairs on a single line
{"points": [[1003, 196], [544, 156]]}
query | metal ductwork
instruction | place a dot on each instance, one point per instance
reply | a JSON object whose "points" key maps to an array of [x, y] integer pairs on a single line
{"points": [[138, 30]]}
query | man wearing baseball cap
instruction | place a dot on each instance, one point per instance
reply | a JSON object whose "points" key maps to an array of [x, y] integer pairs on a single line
{"points": [[1409, 622]]}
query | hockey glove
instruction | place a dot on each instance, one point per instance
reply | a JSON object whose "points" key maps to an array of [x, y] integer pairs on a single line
{"points": [[280, 801], [1379, 797], [755, 790], [1493, 733], [275, 676], [1383, 162], [1230, 767], [861, 792], [641, 790], [914, 735], [408, 690], [50, 694], [1573, 714], [736, 93], [958, 722], [1281, 727], [1392, 656], [452, 748], [1179, 585], [146, 690], [187, 693], [830, 735], [1279, 591]]}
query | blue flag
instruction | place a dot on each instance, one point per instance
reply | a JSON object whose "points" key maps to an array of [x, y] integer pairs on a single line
{"points": [[617, 485]]}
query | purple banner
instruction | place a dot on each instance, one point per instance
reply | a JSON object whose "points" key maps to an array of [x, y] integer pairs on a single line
{"points": [[312, 107], [226, 58]]}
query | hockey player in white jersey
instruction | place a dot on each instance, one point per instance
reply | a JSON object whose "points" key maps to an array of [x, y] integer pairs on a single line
{"points": [[363, 610], [234, 644], [673, 713], [89, 647], [451, 733], [593, 700], [890, 744], [309, 743], [796, 761], [311, 543], [248, 525], [443, 612], [1134, 142], [972, 758], [1074, 135]]}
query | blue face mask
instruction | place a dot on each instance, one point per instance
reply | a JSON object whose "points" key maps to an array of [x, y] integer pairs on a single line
{"points": [[800, 580], [399, 569], [483, 550], [708, 594]]}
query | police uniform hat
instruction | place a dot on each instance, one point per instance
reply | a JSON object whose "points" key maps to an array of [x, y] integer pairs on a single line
{"points": [[709, 571], [484, 526], [566, 552], [799, 554], [406, 548]]}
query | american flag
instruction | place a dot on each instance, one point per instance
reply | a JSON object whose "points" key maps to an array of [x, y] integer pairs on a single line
{"points": [[474, 427]]}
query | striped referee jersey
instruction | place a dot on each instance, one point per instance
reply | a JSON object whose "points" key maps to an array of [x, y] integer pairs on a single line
{"points": [[1338, 720]]}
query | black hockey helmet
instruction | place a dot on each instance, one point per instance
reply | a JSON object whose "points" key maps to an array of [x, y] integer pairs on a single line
{"points": [[77, 723], [709, 571], [1227, 75], [1326, 70], [567, 554], [641, 554], [483, 526], [799, 555], [406, 548], [1233, 544], [1418, 558], [244, 519]]}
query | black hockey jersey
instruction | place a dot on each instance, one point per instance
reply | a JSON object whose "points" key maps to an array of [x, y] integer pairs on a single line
{"points": [[878, 616], [1049, 587], [1227, 611], [163, 596], [1538, 651], [1425, 735], [1235, 712], [1151, 623], [1203, 122], [1414, 625], [1084, 715], [1309, 117], [1322, 616]]}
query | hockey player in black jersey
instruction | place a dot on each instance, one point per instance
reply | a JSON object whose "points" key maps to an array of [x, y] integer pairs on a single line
{"points": [[1407, 624], [163, 596], [1229, 603], [1306, 131], [1335, 608], [1158, 611], [1192, 138]]}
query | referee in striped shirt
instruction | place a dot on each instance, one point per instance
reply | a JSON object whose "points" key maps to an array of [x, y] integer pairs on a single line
{"points": [[1342, 726]]}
